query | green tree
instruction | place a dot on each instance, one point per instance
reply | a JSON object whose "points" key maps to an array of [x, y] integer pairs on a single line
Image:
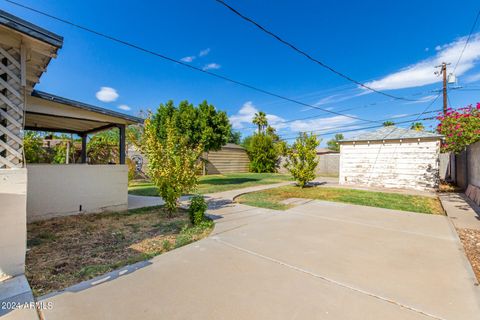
{"points": [[388, 123], [263, 153], [202, 125], [417, 126], [272, 132], [103, 147], [172, 162], [333, 143], [235, 137], [302, 158], [260, 120], [32, 147]]}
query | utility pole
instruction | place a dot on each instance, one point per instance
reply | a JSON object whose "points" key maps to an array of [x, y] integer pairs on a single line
{"points": [[443, 70]]}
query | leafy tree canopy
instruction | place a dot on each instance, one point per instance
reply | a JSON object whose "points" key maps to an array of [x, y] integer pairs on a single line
{"points": [[388, 123], [333, 143], [418, 126], [235, 137], [302, 158], [202, 125]]}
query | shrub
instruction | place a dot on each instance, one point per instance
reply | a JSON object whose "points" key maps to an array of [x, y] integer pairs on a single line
{"points": [[302, 158], [461, 128], [172, 163], [263, 153], [197, 209], [32, 147]]}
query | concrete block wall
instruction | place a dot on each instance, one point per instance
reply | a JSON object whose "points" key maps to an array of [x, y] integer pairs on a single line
{"points": [[13, 224]]}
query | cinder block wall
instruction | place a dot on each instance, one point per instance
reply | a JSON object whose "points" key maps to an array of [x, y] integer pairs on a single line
{"points": [[13, 216]]}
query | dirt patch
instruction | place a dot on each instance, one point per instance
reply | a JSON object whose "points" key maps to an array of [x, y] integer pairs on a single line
{"points": [[65, 251], [471, 242]]}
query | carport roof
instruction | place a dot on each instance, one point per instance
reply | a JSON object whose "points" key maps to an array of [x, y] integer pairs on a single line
{"points": [[48, 112], [393, 133]]}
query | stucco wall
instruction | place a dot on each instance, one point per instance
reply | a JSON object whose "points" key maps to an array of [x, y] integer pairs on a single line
{"points": [[408, 164], [58, 190], [13, 233]]}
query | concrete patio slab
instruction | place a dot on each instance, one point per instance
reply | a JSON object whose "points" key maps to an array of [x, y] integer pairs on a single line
{"points": [[316, 261]]}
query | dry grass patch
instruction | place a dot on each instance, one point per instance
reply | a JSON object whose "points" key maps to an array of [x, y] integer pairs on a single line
{"points": [[65, 251]]}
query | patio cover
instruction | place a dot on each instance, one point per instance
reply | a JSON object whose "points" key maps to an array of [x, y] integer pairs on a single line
{"points": [[48, 112]]}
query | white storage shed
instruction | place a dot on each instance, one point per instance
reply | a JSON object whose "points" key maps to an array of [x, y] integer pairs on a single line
{"points": [[391, 157]]}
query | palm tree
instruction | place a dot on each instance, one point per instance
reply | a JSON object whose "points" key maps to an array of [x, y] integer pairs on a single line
{"points": [[388, 123], [260, 119], [418, 126]]}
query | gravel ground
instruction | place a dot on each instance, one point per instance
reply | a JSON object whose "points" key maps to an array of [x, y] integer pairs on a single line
{"points": [[471, 242]]}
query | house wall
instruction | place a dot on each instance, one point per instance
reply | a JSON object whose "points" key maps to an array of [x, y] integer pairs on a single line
{"points": [[227, 160], [13, 216], [60, 190], [408, 164]]}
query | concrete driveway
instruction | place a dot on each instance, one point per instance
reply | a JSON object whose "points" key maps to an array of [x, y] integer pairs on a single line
{"points": [[320, 260]]}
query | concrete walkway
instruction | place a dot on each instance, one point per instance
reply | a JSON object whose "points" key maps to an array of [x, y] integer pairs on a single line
{"points": [[135, 202], [462, 211], [319, 260]]}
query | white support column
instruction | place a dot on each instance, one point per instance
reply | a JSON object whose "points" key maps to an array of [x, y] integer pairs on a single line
{"points": [[12, 105]]}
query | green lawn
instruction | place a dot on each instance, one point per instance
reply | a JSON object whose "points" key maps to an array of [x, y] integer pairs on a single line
{"points": [[216, 183], [271, 198]]}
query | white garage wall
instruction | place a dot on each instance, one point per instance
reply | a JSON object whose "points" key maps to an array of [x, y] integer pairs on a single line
{"points": [[59, 190], [408, 164]]}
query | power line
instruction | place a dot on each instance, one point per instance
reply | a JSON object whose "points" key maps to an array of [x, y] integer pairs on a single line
{"points": [[162, 56], [468, 40], [362, 128], [347, 109], [305, 54], [353, 125]]}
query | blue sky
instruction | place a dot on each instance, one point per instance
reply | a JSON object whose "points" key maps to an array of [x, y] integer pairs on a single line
{"points": [[392, 45]]}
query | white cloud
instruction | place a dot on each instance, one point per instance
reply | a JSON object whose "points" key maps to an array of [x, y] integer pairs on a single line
{"points": [[211, 66], [422, 73], [204, 52], [472, 78], [422, 99], [246, 113], [320, 123], [427, 49], [399, 115], [124, 107], [107, 94], [188, 59]]}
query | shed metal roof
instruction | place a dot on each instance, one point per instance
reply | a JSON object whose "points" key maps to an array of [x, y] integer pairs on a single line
{"points": [[393, 133], [30, 29]]}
